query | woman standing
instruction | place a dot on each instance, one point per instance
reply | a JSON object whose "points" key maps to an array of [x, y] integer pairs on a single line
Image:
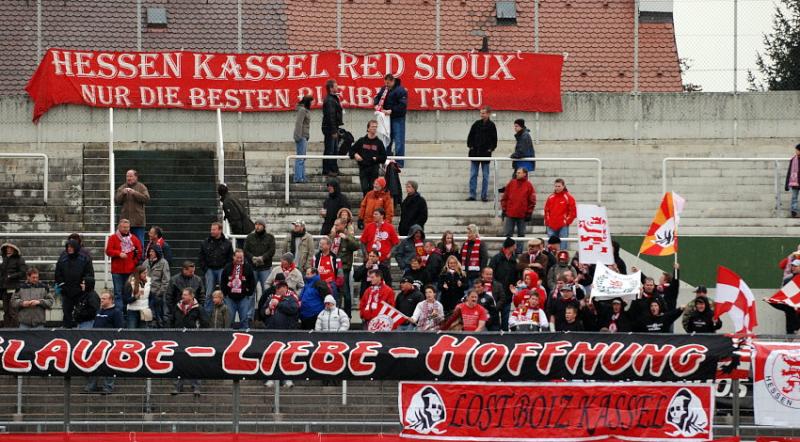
{"points": [[136, 294], [158, 270], [301, 136], [452, 283]]}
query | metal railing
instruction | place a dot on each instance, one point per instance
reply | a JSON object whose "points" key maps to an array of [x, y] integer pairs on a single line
{"points": [[776, 161], [106, 261], [494, 161], [46, 177]]}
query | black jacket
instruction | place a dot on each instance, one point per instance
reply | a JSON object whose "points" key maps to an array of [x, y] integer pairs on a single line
{"points": [[434, 265], [451, 296], [361, 272], [260, 245], [622, 323], [489, 302], [393, 185], [406, 303], [248, 285], [176, 285], [556, 310], [71, 269], [332, 204], [506, 273], [396, 101], [214, 253], [372, 151], [482, 139], [285, 316], [87, 307], [108, 318], [660, 323], [12, 269], [331, 114], [703, 322], [413, 210], [194, 318], [236, 215]]}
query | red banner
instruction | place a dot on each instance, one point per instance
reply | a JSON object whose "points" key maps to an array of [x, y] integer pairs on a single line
{"points": [[548, 411], [275, 82], [243, 437]]}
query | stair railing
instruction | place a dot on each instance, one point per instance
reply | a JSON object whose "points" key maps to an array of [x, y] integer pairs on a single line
{"points": [[46, 177], [290, 159]]}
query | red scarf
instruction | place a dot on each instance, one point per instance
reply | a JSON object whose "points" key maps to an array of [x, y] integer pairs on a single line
{"points": [[125, 242], [237, 278], [471, 259], [337, 242], [374, 297], [287, 270], [185, 308]]}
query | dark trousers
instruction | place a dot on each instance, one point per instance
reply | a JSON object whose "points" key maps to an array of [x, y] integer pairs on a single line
{"points": [[9, 314], [308, 323], [330, 166], [367, 176], [67, 306]]}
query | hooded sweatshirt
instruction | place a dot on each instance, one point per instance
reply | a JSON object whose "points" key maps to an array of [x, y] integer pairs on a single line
{"points": [[12, 269], [523, 149], [71, 269], [158, 271], [335, 201], [409, 248]]}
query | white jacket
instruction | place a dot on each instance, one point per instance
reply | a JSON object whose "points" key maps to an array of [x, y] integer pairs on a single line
{"points": [[141, 302], [332, 320]]}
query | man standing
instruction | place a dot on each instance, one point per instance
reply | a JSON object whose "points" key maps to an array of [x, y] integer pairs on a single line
{"points": [[300, 244], [482, 141], [259, 248], [185, 280], [380, 236], [370, 153], [377, 198], [331, 120], [234, 212], [125, 250], [75, 275], [12, 271], [392, 100], [109, 316], [155, 237], [504, 269], [335, 201], [215, 252], [132, 196], [473, 254], [793, 179], [328, 266], [559, 210], [31, 300], [238, 285], [371, 299], [518, 202], [413, 210]]}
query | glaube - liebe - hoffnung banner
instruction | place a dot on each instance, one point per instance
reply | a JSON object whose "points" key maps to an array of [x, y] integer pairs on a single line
{"points": [[520, 81]]}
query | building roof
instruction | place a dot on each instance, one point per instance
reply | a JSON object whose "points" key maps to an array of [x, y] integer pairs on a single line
{"points": [[596, 34]]}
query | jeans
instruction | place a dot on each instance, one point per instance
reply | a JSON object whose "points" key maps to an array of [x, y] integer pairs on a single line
{"points": [[194, 382], [213, 278], [407, 327], [139, 233], [156, 304], [346, 298], [514, 223], [300, 165], [473, 178], [261, 277], [133, 320], [366, 176], [330, 166], [29, 327], [795, 191], [561, 233], [504, 315], [85, 325], [244, 307], [398, 136], [119, 280]]}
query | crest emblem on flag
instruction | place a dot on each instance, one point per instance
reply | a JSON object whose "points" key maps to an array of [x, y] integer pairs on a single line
{"points": [[388, 318], [662, 236]]}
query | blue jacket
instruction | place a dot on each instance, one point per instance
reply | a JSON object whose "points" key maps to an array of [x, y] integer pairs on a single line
{"points": [[524, 149], [311, 298], [396, 101], [108, 318]]}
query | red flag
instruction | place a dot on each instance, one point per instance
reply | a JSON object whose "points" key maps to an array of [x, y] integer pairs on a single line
{"points": [[789, 294], [735, 298], [388, 318]]}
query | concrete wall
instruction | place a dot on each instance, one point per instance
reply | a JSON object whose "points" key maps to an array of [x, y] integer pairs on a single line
{"points": [[586, 116]]}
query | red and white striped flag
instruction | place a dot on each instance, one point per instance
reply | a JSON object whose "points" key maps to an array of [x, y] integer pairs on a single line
{"points": [[789, 294], [388, 318], [735, 298]]}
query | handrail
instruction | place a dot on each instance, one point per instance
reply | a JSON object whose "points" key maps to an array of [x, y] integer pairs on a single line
{"points": [[494, 161], [34, 155], [106, 260], [723, 159]]}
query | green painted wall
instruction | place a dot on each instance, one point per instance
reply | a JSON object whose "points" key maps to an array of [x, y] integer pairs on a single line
{"points": [[754, 259]]}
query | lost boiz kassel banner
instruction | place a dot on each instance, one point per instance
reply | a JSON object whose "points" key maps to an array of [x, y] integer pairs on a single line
{"points": [[520, 81], [208, 354], [574, 411]]}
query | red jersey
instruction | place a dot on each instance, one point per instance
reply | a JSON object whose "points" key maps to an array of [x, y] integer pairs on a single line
{"points": [[326, 268], [470, 316], [382, 239]]}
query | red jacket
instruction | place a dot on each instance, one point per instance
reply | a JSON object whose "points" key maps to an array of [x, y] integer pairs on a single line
{"points": [[519, 198], [114, 249], [559, 210], [370, 304]]}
